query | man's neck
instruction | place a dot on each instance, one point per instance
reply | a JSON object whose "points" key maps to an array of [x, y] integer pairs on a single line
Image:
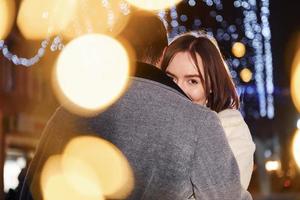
{"points": [[157, 65]]}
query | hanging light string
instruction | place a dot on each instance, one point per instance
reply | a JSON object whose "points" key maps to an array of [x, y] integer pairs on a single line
{"points": [[111, 18], [57, 43], [124, 7], [266, 33], [110, 14], [27, 62], [174, 22]]}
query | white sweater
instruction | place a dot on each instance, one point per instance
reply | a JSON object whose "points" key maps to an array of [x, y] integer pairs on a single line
{"points": [[240, 141]]}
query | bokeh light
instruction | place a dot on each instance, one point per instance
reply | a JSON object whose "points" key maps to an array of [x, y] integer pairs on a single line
{"points": [[292, 52], [238, 49], [153, 4], [109, 165], [91, 16], [7, 17], [272, 165], [246, 75], [86, 182], [55, 186], [91, 73], [295, 81], [42, 19], [296, 61], [296, 147]]}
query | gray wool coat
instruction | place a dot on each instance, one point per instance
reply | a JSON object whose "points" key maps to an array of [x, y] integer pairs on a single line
{"points": [[177, 150]]}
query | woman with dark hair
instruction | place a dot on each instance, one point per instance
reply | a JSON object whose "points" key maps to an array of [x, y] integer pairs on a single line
{"points": [[195, 63]]}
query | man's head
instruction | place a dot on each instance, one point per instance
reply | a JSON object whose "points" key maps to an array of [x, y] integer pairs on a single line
{"points": [[147, 35]]}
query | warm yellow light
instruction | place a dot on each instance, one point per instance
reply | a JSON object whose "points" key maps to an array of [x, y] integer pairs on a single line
{"points": [[91, 73], [295, 81], [272, 165], [7, 17], [296, 147], [246, 75], [238, 49], [120, 18], [56, 186], [86, 182], [52, 167], [109, 165], [91, 16], [296, 60], [153, 4], [41, 19]]}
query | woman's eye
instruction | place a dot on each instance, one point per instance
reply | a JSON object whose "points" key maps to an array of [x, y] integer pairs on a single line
{"points": [[193, 82]]}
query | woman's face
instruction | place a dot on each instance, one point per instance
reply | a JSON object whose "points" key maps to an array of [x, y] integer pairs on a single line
{"points": [[184, 73]]}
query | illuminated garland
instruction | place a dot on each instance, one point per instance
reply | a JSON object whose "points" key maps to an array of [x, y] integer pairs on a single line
{"points": [[27, 62], [57, 41]]}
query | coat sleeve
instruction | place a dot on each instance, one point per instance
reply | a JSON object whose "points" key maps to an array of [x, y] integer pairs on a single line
{"points": [[56, 134], [240, 142], [214, 172]]}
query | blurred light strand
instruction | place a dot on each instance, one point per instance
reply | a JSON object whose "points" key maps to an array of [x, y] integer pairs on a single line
{"points": [[57, 41], [27, 62], [266, 32]]}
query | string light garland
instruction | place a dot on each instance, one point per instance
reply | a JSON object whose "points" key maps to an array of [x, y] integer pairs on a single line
{"points": [[27, 62], [110, 14], [57, 41], [124, 7], [250, 23], [111, 18], [174, 22], [266, 32]]}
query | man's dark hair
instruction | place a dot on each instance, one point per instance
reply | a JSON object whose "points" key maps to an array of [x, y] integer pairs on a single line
{"points": [[147, 35]]}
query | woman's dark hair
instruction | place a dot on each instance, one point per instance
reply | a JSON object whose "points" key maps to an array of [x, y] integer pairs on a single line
{"points": [[217, 83]]}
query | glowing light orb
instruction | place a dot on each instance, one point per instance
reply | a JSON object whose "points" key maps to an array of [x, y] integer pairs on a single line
{"points": [[91, 16], [272, 165], [91, 73], [55, 186], [238, 49], [296, 147], [86, 182], [296, 59], [41, 19], [105, 160], [246, 75], [7, 16], [295, 85], [153, 4]]}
